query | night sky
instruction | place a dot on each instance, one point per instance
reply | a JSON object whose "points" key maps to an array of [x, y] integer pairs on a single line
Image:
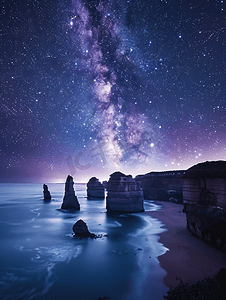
{"points": [[91, 87]]}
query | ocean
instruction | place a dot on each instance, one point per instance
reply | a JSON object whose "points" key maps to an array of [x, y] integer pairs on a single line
{"points": [[40, 258]]}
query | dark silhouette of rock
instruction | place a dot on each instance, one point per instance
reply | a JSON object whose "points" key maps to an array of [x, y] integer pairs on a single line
{"points": [[221, 278], [46, 192], [95, 189], [70, 201], [124, 194], [80, 229], [208, 169]]}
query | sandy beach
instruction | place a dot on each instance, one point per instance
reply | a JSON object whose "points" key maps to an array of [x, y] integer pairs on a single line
{"points": [[188, 258]]}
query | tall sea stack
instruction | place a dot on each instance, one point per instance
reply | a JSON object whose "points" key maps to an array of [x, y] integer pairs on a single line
{"points": [[70, 201], [95, 189], [124, 194]]}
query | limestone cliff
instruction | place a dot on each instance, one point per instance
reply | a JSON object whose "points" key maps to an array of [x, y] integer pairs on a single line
{"points": [[164, 186], [204, 196]]}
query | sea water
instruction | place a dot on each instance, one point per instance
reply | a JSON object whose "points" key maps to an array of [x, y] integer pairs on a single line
{"points": [[40, 258]]}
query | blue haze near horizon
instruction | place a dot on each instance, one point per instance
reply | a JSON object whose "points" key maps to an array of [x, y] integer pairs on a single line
{"points": [[42, 260]]}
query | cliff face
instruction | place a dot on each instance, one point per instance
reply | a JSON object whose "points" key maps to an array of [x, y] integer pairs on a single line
{"points": [[165, 186], [95, 189], [204, 197], [70, 201], [124, 194]]}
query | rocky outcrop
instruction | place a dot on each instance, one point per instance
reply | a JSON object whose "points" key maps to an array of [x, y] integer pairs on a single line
{"points": [[124, 194], [204, 196], [95, 189], [70, 201], [80, 229], [165, 186], [46, 193]]}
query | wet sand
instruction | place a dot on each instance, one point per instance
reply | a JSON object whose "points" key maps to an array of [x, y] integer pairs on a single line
{"points": [[188, 258]]}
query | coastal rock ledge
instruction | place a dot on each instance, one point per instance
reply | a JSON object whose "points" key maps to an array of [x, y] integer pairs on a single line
{"points": [[95, 189], [124, 194], [70, 201]]}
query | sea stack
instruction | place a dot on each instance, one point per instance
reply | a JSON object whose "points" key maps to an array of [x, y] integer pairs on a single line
{"points": [[124, 194], [46, 192], [80, 229], [70, 201], [95, 189]]}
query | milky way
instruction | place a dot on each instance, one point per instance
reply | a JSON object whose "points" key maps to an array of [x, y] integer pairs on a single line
{"points": [[122, 129], [90, 87]]}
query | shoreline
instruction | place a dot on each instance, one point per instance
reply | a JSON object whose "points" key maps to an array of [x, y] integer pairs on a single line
{"points": [[189, 258]]}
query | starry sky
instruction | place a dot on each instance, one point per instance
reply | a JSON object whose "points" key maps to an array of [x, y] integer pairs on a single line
{"points": [[91, 87]]}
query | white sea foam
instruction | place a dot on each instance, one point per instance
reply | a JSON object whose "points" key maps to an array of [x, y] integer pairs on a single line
{"points": [[61, 253], [115, 224]]}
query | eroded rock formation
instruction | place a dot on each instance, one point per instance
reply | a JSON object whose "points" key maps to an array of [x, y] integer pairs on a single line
{"points": [[124, 194], [204, 196], [95, 189], [80, 229], [46, 192], [70, 201], [164, 186]]}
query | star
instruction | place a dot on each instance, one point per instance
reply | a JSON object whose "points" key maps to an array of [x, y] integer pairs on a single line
{"points": [[107, 74]]}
